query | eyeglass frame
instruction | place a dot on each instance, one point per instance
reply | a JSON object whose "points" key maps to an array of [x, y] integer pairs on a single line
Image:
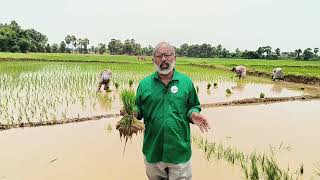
{"points": [[166, 55]]}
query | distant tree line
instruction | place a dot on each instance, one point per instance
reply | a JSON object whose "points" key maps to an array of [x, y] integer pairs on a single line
{"points": [[15, 39], [208, 51]]}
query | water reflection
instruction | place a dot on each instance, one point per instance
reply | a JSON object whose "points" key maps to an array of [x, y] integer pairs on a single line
{"points": [[277, 88], [105, 100], [208, 92], [239, 87]]}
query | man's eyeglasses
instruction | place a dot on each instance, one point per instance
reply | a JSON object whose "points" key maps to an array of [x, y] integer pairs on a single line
{"points": [[166, 55]]}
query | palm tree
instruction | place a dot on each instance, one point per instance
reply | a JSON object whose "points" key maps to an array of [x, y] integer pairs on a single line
{"points": [[85, 43], [79, 44], [297, 52], [74, 41], [268, 50], [277, 51], [68, 41]]}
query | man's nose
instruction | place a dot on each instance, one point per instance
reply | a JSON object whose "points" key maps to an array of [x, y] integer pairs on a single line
{"points": [[164, 58]]}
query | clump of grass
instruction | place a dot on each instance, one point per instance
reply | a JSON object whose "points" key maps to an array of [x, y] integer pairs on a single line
{"points": [[254, 166], [245, 170], [116, 85], [228, 91], [129, 124], [109, 127], [215, 84], [208, 86], [301, 169], [262, 95], [130, 82], [273, 170], [254, 169]]}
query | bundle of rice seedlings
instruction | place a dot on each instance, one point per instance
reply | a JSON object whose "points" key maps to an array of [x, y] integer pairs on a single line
{"points": [[262, 95], [129, 124], [130, 82], [116, 85], [208, 86], [228, 91], [215, 84]]}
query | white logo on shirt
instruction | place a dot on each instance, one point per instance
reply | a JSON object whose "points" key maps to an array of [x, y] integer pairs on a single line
{"points": [[174, 89]]}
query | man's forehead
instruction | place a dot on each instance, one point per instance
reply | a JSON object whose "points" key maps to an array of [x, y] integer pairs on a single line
{"points": [[164, 49]]}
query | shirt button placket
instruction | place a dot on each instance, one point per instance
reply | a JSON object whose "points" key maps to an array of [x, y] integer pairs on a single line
{"points": [[164, 124]]}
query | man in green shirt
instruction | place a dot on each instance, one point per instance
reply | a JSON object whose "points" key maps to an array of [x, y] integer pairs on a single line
{"points": [[168, 103]]}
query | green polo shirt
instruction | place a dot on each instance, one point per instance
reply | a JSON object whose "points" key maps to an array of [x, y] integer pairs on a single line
{"points": [[166, 111]]}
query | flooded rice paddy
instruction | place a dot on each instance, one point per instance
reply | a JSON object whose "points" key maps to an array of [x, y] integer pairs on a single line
{"points": [[41, 91]]}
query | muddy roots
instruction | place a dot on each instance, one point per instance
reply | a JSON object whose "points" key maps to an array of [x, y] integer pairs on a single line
{"points": [[128, 126]]}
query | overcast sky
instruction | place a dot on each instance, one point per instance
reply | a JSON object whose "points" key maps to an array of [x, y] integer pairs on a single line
{"points": [[246, 24]]}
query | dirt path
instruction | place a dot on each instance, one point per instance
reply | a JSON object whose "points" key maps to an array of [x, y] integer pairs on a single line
{"points": [[255, 101], [289, 78], [50, 123]]}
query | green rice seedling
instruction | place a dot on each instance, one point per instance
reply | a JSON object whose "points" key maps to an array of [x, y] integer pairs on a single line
{"points": [[109, 128], [251, 164], [254, 169], [215, 85], [130, 82], [129, 124], [262, 95], [116, 85], [208, 92], [262, 162], [272, 170], [228, 91], [301, 169], [316, 168], [208, 86], [245, 169], [286, 176]]}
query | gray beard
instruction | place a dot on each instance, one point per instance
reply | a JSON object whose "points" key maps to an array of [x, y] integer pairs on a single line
{"points": [[165, 71]]}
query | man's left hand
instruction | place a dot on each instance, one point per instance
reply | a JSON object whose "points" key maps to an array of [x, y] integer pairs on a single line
{"points": [[201, 121]]}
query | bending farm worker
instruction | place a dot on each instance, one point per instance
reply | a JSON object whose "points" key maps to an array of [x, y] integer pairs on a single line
{"points": [[105, 77]]}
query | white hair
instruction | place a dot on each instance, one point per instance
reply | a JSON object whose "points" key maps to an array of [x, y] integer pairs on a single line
{"points": [[164, 44]]}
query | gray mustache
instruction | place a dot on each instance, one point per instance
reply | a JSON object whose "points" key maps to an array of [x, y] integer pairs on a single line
{"points": [[164, 63]]}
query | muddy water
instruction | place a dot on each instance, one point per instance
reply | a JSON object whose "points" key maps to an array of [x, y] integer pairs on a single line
{"points": [[88, 150], [249, 128], [250, 90], [214, 95], [83, 151]]}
